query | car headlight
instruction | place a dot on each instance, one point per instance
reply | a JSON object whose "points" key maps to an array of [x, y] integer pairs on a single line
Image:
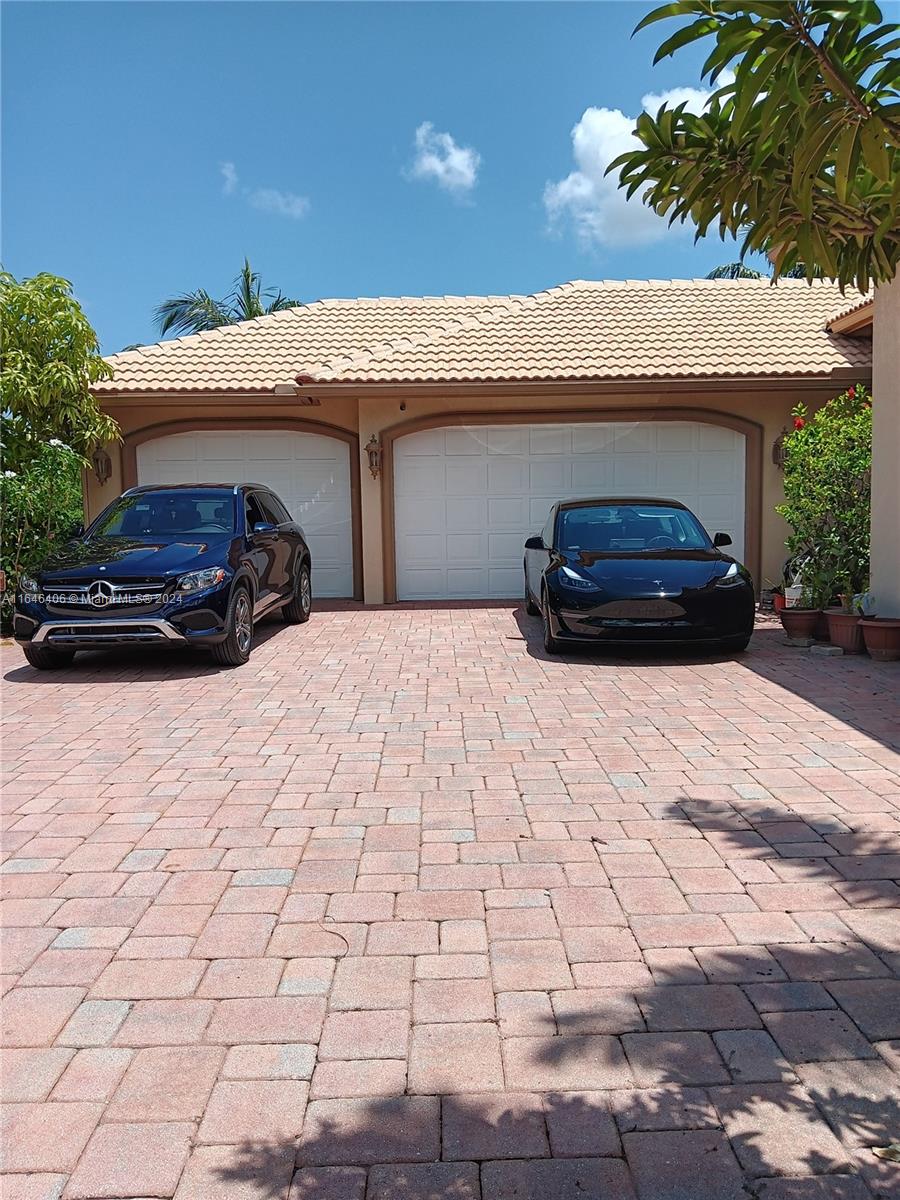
{"points": [[196, 581], [731, 578], [573, 580], [28, 583]]}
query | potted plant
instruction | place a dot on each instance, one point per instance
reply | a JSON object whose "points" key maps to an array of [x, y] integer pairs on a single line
{"points": [[881, 634], [800, 620], [827, 463], [843, 624]]}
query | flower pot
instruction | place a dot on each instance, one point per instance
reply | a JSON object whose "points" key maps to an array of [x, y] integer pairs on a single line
{"points": [[820, 629], [799, 622], [778, 602], [882, 637], [844, 631]]}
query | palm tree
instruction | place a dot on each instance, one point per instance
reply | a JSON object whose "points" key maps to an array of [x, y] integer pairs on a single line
{"points": [[196, 311], [738, 270]]}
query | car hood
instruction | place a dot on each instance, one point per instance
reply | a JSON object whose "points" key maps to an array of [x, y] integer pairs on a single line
{"points": [[134, 556], [666, 572]]}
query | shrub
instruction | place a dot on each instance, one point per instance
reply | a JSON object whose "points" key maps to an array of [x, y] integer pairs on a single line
{"points": [[827, 467], [40, 504]]}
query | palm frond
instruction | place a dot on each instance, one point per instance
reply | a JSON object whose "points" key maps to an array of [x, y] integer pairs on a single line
{"points": [[191, 313], [734, 270]]}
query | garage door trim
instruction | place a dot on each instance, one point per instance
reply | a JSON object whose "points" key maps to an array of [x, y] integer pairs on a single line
{"points": [[149, 433], [753, 435]]}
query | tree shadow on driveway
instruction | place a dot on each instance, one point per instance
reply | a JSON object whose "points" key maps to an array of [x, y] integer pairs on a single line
{"points": [[763, 1069]]}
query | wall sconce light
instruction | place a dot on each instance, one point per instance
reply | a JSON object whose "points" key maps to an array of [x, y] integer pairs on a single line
{"points": [[373, 450], [102, 464], [778, 455]]}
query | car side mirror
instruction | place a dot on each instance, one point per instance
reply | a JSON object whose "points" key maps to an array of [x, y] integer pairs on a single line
{"points": [[722, 539], [76, 530], [264, 529], [535, 543]]}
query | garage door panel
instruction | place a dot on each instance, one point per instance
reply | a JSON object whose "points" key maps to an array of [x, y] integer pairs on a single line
{"points": [[462, 513], [507, 475], [463, 477], [480, 492], [310, 472]]}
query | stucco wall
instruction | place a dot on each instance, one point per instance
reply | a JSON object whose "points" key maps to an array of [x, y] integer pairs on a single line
{"points": [[383, 412], [885, 581]]}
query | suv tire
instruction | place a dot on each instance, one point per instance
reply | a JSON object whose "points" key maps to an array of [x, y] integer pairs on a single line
{"points": [[45, 659], [234, 651], [298, 608]]}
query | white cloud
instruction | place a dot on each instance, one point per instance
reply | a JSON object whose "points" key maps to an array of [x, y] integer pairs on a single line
{"points": [[270, 200], [600, 212], [283, 204], [229, 177], [438, 156]]}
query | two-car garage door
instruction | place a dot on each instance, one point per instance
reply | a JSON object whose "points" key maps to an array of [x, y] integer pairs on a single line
{"points": [[466, 497], [309, 471]]}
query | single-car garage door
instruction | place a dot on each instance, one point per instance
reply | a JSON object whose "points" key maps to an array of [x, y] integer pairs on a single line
{"points": [[309, 471], [466, 497]]}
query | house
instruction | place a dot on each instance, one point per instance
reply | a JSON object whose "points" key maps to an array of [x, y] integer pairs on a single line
{"points": [[420, 440]]}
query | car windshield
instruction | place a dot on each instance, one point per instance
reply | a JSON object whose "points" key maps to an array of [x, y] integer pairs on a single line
{"points": [[629, 529], [169, 515]]}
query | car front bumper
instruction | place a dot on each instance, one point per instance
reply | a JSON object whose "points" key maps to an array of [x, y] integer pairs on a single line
{"points": [[705, 621], [201, 625]]}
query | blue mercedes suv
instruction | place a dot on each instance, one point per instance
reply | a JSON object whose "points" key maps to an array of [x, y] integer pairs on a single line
{"points": [[179, 565]]}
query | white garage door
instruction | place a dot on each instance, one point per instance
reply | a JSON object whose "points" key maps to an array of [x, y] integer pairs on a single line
{"points": [[466, 497], [309, 471]]}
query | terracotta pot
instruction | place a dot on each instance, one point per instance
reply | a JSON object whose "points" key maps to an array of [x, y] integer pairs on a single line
{"points": [[882, 637], [778, 601], [844, 631], [820, 629], [799, 622]]}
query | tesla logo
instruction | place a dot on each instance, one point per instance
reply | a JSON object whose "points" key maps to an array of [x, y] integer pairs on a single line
{"points": [[100, 593]]}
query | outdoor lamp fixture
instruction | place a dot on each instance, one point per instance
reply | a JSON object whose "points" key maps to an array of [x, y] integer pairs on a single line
{"points": [[373, 450], [102, 464], [778, 453]]}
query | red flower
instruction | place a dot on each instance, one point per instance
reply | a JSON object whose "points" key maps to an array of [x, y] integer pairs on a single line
{"points": [[851, 392], [799, 422]]}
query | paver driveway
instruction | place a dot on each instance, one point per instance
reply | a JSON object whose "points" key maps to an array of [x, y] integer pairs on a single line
{"points": [[404, 909]]}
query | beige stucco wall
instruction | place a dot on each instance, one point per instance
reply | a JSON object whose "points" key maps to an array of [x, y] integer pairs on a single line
{"points": [[885, 576], [378, 413]]}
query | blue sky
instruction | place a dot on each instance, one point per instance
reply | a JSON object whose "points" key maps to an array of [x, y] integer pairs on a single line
{"points": [[347, 149]]}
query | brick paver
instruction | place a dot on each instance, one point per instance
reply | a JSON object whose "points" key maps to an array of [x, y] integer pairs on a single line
{"points": [[405, 910]]}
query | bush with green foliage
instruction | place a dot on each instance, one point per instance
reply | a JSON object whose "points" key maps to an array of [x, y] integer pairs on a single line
{"points": [[49, 358], [40, 506], [827, 467]]}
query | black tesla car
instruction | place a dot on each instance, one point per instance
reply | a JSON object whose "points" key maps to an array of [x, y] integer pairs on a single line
{"points": [[626, 570], [188, 564]]}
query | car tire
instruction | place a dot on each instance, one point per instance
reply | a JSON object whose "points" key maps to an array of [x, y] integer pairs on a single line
{"points": [[552, 645], [530, 607], [736, 645], [234, 651], [45, 659], [298, 608]]}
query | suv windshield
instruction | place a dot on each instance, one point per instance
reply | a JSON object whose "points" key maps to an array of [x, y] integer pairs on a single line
{"points": [[629, 529], [168, 515]]}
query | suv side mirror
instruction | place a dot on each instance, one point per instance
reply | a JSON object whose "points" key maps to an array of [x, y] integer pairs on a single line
{"points": [[264, 529], [76, 530], [536, 542], [722, 539]]}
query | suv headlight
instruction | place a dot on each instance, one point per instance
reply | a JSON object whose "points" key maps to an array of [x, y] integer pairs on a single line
{"points": [[731, 578], [196, 581], [573, 580], [28, 583]]}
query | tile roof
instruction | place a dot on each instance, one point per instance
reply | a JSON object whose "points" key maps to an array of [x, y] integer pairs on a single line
{"points": [[608, 330]]}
